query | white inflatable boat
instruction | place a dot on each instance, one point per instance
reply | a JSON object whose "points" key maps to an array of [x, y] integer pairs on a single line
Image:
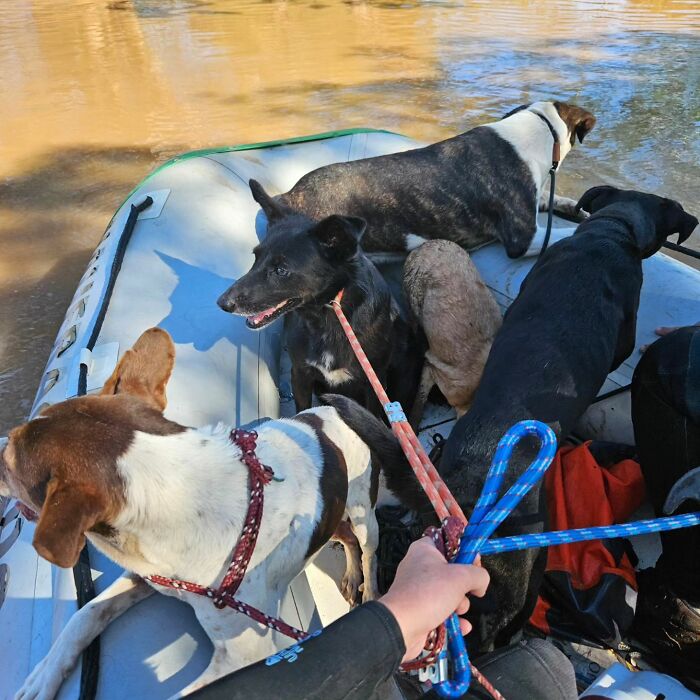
{"points": [[181, 237]]}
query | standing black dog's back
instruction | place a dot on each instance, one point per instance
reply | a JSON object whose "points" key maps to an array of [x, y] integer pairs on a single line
{"points": [[573, 322]]}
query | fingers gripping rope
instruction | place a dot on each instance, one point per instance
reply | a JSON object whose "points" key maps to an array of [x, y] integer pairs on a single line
{"points": [[488, 514]]}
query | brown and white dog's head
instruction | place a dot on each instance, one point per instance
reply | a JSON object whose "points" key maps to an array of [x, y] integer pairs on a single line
{"points": [[63, 464]]}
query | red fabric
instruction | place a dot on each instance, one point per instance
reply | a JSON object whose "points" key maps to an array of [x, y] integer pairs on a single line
{"points": [[582, 494]]}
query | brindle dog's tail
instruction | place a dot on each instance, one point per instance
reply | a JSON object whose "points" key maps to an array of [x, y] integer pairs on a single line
{"points": [[385, 449]]}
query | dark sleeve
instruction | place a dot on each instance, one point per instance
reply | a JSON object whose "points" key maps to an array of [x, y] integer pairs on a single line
{"points": [[347, 661]]}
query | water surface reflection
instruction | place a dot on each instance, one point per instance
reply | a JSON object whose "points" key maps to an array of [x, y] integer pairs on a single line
{"points": [[95, 93]]}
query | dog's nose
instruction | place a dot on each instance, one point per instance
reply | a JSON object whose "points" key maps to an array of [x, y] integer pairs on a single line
{"points": [[226, 302]]}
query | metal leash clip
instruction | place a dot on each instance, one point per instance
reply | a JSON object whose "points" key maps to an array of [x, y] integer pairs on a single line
{"points": [[435, 673]]}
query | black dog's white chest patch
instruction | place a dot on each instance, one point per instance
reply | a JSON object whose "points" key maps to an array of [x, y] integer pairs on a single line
{"points": [[334, 376]]}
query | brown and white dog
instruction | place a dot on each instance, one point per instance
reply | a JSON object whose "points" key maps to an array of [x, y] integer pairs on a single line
{"points": [[459, 317], [161, 498]]}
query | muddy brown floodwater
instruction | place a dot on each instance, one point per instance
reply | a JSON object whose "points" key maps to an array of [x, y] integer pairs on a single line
{"points": [[94, 94]]}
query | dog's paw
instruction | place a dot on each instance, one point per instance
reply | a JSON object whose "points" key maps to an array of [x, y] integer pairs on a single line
{"points": [[565, 205], [368, 593], [44, 682], [350, 587]]}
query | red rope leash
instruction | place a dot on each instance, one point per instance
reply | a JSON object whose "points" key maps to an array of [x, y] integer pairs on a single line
{"points": [[451, 516], [259, 475], [440, 497]]}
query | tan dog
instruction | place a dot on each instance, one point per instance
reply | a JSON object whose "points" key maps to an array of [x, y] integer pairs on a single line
{"points": [[460, 318]]}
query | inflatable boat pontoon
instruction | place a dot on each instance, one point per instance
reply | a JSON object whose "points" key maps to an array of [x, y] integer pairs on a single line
{"points": [[180, 239]]}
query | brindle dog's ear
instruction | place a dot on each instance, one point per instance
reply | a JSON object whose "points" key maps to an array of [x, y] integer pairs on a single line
{"points": [[579, 121], [339, 236], [145, 369], [69, 510], [584, 126], [273, 209]]}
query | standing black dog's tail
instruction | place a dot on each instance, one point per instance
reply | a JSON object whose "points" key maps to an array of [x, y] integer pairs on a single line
{"points": [[385, 449]]}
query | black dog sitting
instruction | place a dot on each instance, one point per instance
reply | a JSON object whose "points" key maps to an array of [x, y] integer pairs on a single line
{"points": [[299, 268], [572, 323]]}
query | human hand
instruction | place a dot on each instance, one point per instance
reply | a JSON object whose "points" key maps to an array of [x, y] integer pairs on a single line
{"points": [[427, 590], [665, 330]]}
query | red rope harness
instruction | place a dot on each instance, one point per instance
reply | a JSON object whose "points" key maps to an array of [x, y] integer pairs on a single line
{"points": [[259, 475], [451, 516]]}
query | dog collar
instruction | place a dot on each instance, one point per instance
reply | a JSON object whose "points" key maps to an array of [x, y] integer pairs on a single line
{"points": [[556, 149]]}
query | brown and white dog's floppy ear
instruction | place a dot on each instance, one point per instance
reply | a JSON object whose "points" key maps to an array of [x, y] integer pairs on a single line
{"points": [[144, 370], [68, 511]]}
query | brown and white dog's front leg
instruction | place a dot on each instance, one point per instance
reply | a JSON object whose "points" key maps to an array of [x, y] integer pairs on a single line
{"points": [[44, 682]]}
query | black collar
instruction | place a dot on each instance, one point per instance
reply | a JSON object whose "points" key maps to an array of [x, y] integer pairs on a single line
{"points": [[555, 136], [555, 147]]}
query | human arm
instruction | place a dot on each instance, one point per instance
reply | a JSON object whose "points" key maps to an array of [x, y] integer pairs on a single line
{"points": [[361, 651]]}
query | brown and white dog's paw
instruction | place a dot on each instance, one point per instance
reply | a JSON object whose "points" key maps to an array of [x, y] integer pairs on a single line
{"points": [[44, 682], [351, 586]]}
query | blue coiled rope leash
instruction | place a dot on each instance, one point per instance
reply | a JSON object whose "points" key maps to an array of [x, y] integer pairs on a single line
{"points": [[490, 512]]}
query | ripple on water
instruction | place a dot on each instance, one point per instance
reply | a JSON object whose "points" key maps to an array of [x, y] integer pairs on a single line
{"points": [[95, 93]]}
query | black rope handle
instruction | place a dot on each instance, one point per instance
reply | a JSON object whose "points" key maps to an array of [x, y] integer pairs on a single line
{"points": [[82, 571]]}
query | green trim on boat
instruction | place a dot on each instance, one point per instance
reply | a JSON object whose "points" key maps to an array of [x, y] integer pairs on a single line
{"points": [[252, 146]]}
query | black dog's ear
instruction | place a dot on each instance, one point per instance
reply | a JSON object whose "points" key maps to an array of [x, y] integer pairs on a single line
{"points": [[339, 236], [643, 225], [677, 220], [596, 198], [687, 225], [273, 209]]}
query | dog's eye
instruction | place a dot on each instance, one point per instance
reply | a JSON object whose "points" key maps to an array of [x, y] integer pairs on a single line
{"points": [[281, 272]]}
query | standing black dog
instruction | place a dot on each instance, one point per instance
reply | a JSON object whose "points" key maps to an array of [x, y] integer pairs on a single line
{"points": [[572, 323], [299, 268]]}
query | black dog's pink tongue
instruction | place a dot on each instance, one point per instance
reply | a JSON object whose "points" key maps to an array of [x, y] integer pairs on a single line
{"points": [[258, 318]]}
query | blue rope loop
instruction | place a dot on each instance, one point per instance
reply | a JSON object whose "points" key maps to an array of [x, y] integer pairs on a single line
{"points": [[488, 514]]}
